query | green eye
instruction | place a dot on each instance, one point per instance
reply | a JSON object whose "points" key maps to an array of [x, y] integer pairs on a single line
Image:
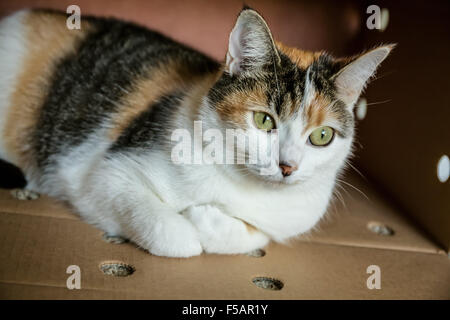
{"points": [[263, 121], [321, 136]]}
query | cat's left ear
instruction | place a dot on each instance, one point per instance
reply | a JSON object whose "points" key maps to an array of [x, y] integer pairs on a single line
{"points": [[351, 80], [251, 45]]}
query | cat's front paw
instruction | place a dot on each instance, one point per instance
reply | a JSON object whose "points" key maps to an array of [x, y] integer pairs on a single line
{"points": [[173, 237], [221, 233], [24, 194]]}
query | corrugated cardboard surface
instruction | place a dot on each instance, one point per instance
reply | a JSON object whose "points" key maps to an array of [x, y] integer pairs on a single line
{"points": [[40, 239]]}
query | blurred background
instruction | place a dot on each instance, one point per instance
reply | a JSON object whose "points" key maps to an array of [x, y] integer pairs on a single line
{"points": [[403, 130]]}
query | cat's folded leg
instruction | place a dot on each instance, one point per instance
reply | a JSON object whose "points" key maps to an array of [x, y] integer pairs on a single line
{"points": [[111, 196], [221, 233], [162, 231], [135, 213]]}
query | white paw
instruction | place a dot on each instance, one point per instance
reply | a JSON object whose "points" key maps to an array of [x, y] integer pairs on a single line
{"points": [[24, 194], [220, 233], [206, 217], [174, 237]]}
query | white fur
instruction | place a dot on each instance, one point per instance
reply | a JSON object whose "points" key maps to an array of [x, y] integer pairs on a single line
{"points": [[12, 52]]}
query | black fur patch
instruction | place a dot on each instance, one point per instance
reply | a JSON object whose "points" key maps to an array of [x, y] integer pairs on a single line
{"points": [[87, 86], [151, 127], [12, 176]]}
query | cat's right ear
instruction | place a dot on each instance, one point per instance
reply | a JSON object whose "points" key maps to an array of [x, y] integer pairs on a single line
{"points": [[351, 80], [251, 45]]}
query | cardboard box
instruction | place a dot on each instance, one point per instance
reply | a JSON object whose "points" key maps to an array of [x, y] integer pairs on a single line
{"points": [[40, 239]]}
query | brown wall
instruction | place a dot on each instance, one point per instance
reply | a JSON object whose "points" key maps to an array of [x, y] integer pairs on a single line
{"points": [[404, 138], [205, 25]]}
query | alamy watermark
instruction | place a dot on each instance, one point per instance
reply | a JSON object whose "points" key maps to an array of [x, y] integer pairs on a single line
{"points": [[378, 19], [73, 21], [234, 146], [74, 280], [374, 281]]}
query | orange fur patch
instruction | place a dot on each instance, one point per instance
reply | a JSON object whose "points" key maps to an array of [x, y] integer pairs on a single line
{"points": [[317, 111], [301, 58], [47, 39], [162, 80], [236, 104]]}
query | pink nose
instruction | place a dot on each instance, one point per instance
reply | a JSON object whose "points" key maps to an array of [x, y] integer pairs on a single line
{"points": [[287, 170]]}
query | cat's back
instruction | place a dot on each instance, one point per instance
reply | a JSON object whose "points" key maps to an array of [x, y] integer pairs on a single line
{"points": [[58, 85]]}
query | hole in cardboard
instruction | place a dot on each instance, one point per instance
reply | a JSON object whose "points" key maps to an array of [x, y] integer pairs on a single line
{"points": [[443, 168], [268, 283], [380, 228], [114, 239], [258, 253], [384, 19], [361, 109], [117, 269]]}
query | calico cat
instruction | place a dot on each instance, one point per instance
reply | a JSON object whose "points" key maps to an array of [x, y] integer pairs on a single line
{"points": [[89, 116]]}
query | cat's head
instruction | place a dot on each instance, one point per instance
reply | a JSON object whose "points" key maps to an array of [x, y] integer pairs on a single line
{"points": [[304, 98]]}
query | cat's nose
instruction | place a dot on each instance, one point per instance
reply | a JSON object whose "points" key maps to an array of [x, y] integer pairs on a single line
{"points": [[287, 169]]}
